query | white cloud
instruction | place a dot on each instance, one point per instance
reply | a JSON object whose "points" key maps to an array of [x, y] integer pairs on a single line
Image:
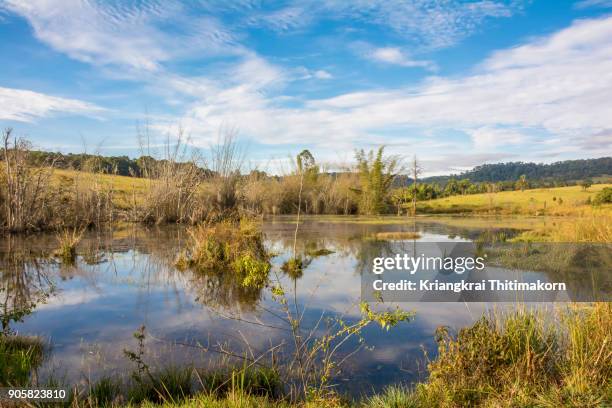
{"points": [[426, 23], [322, 74], [489, 137], [593, 3], [391, 55], [25, 106], [557, 85], [286, 19], [123, 34], [305, 73]]}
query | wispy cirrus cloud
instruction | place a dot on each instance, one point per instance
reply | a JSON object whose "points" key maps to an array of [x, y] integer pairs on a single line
{"points": [[425, 23], [25, 106], [593, 3], [124, 33]]}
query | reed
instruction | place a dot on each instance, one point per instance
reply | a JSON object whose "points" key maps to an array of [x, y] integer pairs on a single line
{"points": [[68, 240]]}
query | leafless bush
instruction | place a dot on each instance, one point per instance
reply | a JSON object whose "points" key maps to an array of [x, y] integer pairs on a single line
{"points": [[26, 196], [34, 199]]}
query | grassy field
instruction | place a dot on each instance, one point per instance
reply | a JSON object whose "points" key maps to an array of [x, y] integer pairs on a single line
{"points": [[125, 189], [569, 216], [561, 201], [545, 201]]}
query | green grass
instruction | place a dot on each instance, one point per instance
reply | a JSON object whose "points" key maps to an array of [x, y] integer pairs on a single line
{"points": [[186, 387], [19, 356], [544, 201], [228, 246], [521, 358]]}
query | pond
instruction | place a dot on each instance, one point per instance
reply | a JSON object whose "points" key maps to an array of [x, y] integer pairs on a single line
{"points": [[126, 278]]}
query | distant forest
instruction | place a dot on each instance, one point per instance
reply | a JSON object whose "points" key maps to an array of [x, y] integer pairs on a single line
{"points": [[563, 172]]}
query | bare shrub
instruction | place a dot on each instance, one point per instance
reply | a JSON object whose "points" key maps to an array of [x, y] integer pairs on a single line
{"points": [[25, 200]]}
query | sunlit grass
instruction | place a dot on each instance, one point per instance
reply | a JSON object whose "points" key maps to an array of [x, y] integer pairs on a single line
{"points": [[519, 358], [573, 200]]}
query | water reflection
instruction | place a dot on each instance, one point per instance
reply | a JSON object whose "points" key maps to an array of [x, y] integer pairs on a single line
{"points": [[24, 283], [126, 277]]}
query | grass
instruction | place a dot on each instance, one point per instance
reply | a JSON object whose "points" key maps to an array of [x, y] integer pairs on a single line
{"points": [[522, 358], [185, 386], [509, 358], [294, 267], [19, 356], [560, 201], [229, 245], [68, 241], [124, 188], [398, 235], [596, 227], [573, 200], [236, 399]]}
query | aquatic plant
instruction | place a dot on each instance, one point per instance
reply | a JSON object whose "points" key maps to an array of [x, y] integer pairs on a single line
{"points": [[228, 247], [68, 240]]}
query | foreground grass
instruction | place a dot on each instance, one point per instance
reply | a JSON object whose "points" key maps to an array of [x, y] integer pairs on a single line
{"points": [[522, 358], [19, 356]]}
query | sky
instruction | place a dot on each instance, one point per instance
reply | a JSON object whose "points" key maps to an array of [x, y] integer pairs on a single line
{"points": [[456, 83]]}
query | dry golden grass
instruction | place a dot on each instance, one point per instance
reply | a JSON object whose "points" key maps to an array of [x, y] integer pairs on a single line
{"points": [[125, 189], [397, 235]]}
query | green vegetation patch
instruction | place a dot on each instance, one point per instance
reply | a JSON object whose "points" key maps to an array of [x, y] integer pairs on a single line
{"points": [[229, 246], [19, 356], [521, 358]]}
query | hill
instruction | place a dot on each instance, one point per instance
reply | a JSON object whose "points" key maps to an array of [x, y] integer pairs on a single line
{"points": [[562, 171]]}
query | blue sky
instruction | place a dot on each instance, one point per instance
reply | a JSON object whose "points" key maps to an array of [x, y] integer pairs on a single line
{"points": [[458, 83]]}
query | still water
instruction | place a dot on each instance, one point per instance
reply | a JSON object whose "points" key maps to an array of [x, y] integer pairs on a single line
{"points": [[126, 278]]}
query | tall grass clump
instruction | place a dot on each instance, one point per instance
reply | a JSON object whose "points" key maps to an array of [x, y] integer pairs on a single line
{"points": [[524, 358], [68, 240], [376, 174], [19, 357], [229, 246], [172, 192]]}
